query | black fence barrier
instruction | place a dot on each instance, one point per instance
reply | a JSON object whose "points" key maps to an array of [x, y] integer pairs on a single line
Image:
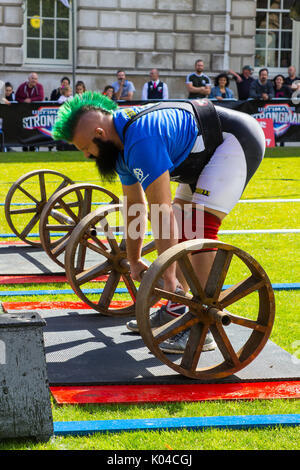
{"points": [[30, 124]]}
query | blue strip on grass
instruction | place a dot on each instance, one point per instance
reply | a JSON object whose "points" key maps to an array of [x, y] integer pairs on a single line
{"points": [[54, 234], [58, 291], [221, 232], [120, 290], [80, 428]]}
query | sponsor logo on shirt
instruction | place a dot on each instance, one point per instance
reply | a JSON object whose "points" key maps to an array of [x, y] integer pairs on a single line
{"points": [[139, 174], [133, 112]]}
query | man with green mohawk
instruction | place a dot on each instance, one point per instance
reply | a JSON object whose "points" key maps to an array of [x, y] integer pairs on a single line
{"points": [[212, 152]]}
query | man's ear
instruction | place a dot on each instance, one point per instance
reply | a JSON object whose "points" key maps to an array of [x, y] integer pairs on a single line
{"points": [[99, 132]]}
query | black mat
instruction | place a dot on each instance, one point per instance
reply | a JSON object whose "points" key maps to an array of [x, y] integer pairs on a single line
{"points": [[29, 260], [85, 348]]}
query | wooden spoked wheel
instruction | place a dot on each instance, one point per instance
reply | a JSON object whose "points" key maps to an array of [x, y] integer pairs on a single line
{"points": [[63, 212], [32, 191], [97, 251], [240, 333]]}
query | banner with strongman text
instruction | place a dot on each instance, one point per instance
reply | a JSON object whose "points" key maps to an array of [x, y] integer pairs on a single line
{"points": [[30, 124]]}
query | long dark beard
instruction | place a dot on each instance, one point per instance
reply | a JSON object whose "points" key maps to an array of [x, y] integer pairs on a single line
{"points": [[106, 159]]}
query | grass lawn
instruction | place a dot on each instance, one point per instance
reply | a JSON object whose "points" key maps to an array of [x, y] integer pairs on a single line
{"points": [[277, 177]]}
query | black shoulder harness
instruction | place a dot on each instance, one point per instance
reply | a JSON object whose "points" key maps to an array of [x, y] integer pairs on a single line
{"points": [[209, 127]]}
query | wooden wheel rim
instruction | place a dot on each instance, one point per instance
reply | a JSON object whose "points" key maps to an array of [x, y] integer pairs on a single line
{"points": [[38, 205], [216, 300], [83, 202], [115, 266]]}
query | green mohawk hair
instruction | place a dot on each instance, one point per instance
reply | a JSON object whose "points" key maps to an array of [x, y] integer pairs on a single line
{"points": [[70, 112]]}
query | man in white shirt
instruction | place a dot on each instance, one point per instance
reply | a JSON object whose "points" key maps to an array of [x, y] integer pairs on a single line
{"points": [[155, 89]]}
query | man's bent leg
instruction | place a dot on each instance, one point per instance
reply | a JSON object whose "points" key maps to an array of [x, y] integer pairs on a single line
{"points": [[218, 189], [208, 222]]}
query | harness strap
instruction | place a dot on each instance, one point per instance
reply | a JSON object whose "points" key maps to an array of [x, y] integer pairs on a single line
{"points": [[209, 126], [206, 117]]}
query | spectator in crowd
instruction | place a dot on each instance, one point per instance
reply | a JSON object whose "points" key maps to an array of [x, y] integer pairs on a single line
{"points": [[243, 81], [108, 91], [281, 89], [80, 87], [30, 90], [123, 88], [9, 94], [291, 79], [57, 92], [66, 94], [155, 89], [198, 84], [262, 88], [221, 89]]}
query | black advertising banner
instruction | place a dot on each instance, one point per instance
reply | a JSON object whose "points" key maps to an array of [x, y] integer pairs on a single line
{"points": [[285, 115], [26, 124]]}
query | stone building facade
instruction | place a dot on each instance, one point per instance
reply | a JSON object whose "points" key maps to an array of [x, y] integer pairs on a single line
{"points": [[135, 35]]}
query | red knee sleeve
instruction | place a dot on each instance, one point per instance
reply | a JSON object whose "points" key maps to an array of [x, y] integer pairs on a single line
{"points": [[210, 226]]}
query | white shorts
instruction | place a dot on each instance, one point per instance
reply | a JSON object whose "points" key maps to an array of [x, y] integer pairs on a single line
{"points": [[222, 181]]}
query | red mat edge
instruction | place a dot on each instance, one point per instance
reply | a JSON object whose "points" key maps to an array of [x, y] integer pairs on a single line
{"points": [[62, 305], [108, 394], [40, 279], [57, 305]]}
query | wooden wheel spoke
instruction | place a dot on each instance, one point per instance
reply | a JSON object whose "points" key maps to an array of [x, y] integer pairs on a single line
{"points": [[190, 276], [180, 323], [111, 239], [62, 185], [242, 321], [42, 186], [109, 289], [224, 344], [92, 273], [81, 255], [30, 210], [67, 208], [218, 273], [98, 243], [240, 290], [148, 248], [59, 228], [194, 346], [30, 196], [130, 285], [183, 298], [99, 248], [87, 202], [66, 205], [59, 248], [30, 226]]}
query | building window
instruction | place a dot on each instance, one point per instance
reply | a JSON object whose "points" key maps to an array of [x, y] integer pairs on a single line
{"points": [[47, 32], [274, 34]]}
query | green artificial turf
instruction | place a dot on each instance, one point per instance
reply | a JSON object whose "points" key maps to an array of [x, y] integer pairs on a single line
{"points": [[277, 177]]}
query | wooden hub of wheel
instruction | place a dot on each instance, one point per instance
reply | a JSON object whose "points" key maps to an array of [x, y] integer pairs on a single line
{"points": [[239, 314]]}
